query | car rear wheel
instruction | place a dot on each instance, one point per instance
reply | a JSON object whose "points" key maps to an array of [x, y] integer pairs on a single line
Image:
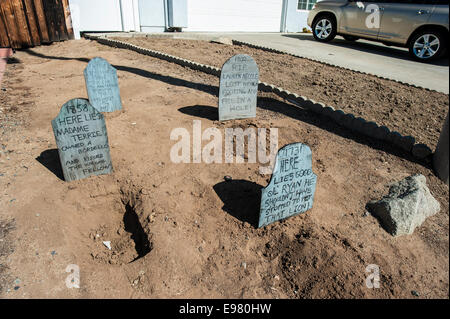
{"points": [[426, 46], [324, 28]]}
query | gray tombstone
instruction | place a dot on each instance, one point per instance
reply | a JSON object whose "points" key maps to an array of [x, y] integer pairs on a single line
{"points": [[238, 88], [102, 85], [80, 133], [292, 186]]}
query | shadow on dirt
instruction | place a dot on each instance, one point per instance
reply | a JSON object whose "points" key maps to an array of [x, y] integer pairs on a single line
{"points": [[211, 89], [50, 159], [138, 235], [241, 199], [203, 111], [301, 113], [267, 101], [13, 60]]}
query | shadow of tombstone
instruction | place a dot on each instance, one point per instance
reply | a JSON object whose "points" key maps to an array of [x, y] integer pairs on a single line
{"points": [[241, 199], [50, 159], [203, 111]]}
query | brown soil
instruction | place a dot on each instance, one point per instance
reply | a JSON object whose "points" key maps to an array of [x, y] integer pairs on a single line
{"points": [[176, 229], [411, 111], [6, 248]]}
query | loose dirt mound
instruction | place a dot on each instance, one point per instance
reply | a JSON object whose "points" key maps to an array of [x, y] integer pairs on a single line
{"points": [[179, 230]]}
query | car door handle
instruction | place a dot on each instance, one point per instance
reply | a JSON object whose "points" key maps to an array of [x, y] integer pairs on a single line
{"points": [[423, 12]]}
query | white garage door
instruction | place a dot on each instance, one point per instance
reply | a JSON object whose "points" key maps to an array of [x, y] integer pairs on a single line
{"points": [[234, 15]]}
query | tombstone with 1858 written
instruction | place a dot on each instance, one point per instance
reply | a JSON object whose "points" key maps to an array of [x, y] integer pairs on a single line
{"points": [[102, 85], [238, 88], [292, 186], [80, 133]]}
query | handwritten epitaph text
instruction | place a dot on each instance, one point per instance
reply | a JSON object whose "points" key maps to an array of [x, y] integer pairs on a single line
{"points": [[292, 186], [238, 88], [102, 85], [80, 133]]}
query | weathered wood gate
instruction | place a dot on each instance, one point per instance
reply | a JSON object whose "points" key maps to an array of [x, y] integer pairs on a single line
{"points": [[26, 23]]}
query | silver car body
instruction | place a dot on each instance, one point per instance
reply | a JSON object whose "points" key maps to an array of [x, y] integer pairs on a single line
{"points": [[397, 20]]}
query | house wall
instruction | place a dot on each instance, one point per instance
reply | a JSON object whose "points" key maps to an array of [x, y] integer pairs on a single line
{"points": [[130, 15], [152, 15], [234, 15], [105, 15], [295, 19], [98, 15], [202, 15]]}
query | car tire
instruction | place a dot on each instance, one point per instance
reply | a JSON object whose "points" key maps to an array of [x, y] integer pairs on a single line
{"points": [[324, 28], [427, 45], [350, 38]]}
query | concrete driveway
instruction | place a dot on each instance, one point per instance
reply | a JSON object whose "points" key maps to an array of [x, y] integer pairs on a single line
{"points": [[367, 56]]}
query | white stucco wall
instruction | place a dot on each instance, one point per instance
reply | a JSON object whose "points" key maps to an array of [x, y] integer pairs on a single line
{"points": [[105, 15], [202, 15], [234, 15]]}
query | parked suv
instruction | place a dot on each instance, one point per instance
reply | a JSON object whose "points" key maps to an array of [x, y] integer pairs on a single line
{"points": [[420, 25]]}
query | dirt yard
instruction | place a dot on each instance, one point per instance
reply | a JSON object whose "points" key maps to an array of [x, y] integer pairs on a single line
{"points": [[411, 111], [179, 230]]}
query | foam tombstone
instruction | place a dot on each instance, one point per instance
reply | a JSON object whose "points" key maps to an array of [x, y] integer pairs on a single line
{"points": [[82, 139], [102, 85], [292, 185], [238, 88]]}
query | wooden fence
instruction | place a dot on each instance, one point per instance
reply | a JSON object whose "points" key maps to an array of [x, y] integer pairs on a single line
{"points": [[27, 23]]}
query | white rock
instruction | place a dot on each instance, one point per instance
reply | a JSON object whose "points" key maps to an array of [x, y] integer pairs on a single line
{"points": [[107, 244]]}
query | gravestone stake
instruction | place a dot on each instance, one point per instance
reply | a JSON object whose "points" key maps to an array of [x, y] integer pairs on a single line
{"points": [[102, 85], [292, 185], [82, 139], [238, 88]]}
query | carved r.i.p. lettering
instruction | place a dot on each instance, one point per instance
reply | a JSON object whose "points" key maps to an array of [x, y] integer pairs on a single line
{"points": [[238, 88]]}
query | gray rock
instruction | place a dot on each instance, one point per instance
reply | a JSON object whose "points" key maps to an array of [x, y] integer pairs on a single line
{"points": [[406, 207]]}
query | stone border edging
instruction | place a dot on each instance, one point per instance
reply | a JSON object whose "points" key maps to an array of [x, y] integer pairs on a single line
{"points": [[347, 120]]}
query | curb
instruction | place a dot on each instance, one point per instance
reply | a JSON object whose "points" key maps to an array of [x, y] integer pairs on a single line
{"points": [[347, 120]]}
